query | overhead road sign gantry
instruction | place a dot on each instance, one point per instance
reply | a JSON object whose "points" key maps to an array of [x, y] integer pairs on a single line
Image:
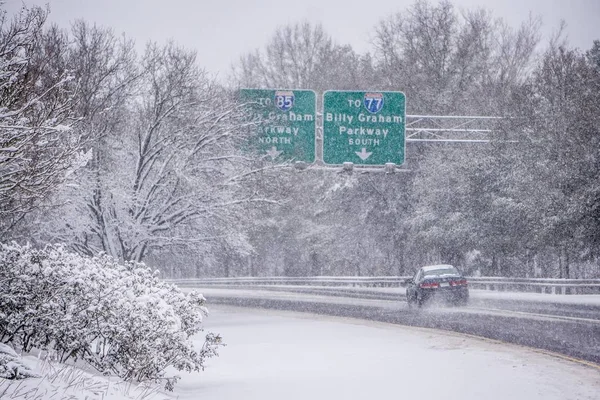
{"points": [[285, 123], [452, 129], [365, 128]]}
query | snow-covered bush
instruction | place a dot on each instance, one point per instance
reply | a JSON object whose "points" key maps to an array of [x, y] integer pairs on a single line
{"points": [[119, 318], [11, 366]]}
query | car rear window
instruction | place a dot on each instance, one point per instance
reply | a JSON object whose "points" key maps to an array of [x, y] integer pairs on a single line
{"points": [[441, 272]]}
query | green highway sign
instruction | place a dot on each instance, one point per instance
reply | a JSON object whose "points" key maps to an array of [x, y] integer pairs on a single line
{"points": [[286, 121], [364, 127]]}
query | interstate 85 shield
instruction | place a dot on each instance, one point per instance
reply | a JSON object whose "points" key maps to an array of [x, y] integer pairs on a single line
{"points": [[284, 99]]}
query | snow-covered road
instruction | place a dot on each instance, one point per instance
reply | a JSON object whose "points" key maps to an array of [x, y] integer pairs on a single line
{"points": [[570, 328], [582, 308], [276, 354]]}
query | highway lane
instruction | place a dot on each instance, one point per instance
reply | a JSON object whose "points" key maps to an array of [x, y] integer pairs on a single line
{"points": [[588, 312], [559, 328], [551, 305]]}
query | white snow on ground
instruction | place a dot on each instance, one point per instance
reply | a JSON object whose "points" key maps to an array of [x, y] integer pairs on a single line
{"points": [[283, 355]]}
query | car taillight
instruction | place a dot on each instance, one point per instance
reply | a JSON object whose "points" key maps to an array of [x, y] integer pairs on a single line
{"points": [[462, 282], [429, 285]]}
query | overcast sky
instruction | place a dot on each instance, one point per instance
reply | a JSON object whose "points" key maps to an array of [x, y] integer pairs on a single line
{"points": [[222, 30]]}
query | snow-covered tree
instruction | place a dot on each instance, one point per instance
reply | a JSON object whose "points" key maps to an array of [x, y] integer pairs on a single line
{"points": [[38, 147], [559, 130], [451, 63], [168, 169], [302, 56]]}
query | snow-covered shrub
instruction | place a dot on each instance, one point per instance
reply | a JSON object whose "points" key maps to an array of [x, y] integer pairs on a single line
{"points": [[11, 366], [120, 318]]}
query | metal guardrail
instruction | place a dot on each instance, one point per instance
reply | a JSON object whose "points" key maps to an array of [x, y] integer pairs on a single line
{"points": [[536, 285], [539, 285]]}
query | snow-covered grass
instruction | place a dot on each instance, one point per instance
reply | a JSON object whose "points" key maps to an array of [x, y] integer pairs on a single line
{"points": [[61, 381], [275, 355]]}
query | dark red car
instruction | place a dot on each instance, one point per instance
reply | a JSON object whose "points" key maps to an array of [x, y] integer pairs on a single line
{"points": [[444, 282]]}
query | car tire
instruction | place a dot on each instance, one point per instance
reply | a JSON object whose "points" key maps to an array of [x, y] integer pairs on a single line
{"points": [[462, 301], [411, 303]]}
